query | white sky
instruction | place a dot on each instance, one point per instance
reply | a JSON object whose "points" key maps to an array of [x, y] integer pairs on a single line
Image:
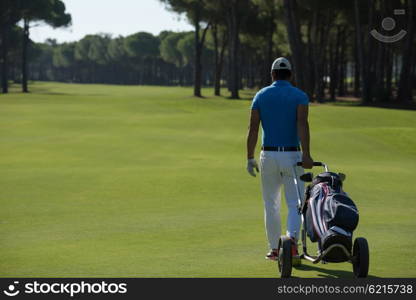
{"points": [[118, 17]]}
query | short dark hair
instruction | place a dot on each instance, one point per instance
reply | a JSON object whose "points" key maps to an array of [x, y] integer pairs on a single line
{"points": [[282, 74]]}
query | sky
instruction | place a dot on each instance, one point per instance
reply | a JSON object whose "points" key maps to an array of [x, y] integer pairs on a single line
{"points": [[117, 17]]}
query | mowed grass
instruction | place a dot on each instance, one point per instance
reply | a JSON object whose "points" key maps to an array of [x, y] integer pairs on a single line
{"points": [[115, 181]]}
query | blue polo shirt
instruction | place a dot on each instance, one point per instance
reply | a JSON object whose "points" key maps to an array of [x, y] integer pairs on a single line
{"points": [[277, 105]]}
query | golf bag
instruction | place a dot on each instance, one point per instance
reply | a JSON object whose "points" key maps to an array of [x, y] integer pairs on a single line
{"points": [[330, 215]]}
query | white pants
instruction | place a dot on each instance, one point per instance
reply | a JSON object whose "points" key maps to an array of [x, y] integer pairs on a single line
{"points": [[277, 170]]}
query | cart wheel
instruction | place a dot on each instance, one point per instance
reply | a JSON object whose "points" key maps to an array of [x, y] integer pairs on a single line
{"points": [[361, 257], [285, 257]]}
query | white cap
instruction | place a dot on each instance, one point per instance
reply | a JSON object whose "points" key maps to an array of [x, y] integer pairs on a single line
{"points": [[281, 63]]}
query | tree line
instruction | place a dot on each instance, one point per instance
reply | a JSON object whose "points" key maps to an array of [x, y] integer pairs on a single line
{"points": [[15, 41], [140, 58], [232, 46]]}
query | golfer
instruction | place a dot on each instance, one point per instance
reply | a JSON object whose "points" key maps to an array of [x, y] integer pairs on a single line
{"points": [[282, 110]]}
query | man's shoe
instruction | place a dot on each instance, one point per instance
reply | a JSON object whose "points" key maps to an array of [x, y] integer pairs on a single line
{"points": [[273, 254]]}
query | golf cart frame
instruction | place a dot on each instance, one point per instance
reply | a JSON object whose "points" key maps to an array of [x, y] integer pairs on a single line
{"points": [[358, 257]]}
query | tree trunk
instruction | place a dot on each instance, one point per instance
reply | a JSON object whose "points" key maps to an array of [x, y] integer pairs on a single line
{"points": [[405, 93], [25, 45], [295, 41], [270, 45], [381, 62], [221, 62], [331, 71], [320, 52], [335, 62], [360, 50], [342, 64], [199, 44], [397, 71], [214, 32], [357, 73], [4, 60], [219, 58], [313, 33], [197, 63], [370, 58], [310, 58], [389, 74], [233, 28], [181, 75], [251, 72]]}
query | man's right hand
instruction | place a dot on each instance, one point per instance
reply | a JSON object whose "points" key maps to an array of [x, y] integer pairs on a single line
{"points": [[307, 161]]}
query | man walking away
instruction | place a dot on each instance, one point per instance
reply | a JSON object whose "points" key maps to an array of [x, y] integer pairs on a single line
{"points": [[282, 110]]}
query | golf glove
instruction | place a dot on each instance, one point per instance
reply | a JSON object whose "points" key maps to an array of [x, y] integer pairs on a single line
{"points": [[251, 165]]}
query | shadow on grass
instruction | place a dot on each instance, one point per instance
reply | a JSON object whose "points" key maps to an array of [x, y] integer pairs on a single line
{"points": [[244, 95], [15, 88], [380, 104], [329, 273], [50, 93], [248, 95]]}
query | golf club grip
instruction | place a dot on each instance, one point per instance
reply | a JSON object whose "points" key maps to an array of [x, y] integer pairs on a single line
{"points": [[315, 164]]}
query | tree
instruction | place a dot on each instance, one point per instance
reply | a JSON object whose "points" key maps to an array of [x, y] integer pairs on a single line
{"points": [[220, 39], [84, 64], [195, 11], [41, 66], [405, 93], [142, 48], [170, 52], [9, 16], [321, 16], [244, 38], [235, 13], [268, 11], [98, 56], [52, 12], [117, 59], [185, 46], [63, 59], [219, 34], [295, 40]]}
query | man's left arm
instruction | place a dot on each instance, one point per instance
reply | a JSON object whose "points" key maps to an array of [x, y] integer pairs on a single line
{"points": [[252, 136], [303, 131]]}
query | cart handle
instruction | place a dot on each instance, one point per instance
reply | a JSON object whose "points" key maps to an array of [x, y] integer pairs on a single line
{"points": [[315, 164]]}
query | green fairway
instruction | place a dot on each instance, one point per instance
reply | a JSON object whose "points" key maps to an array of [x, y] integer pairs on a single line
{"points": [[118, 181]]}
